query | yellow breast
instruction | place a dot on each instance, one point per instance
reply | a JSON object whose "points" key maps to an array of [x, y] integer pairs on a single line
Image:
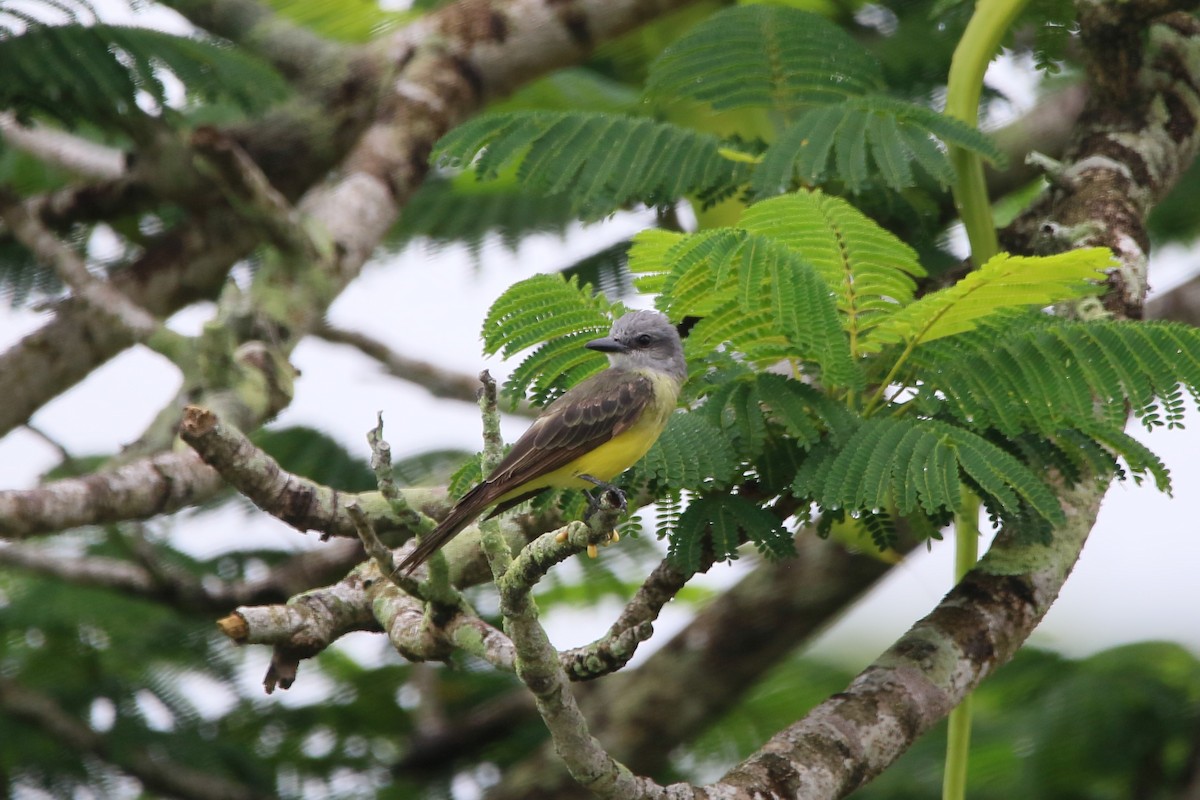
{"points": [[623, 450]]}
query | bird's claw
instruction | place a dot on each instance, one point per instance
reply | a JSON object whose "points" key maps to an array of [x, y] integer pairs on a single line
{"points": [[606, 496]]}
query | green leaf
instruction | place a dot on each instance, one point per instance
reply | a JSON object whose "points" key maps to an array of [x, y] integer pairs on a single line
{"points": [[724, 522], [909, 464], [806, 315], [1141, 459], [95, 73], [872, 273], [867, 137], [463, 210], [1038, 374], [1001, 476], [540, 308], [594, 162], [759, 292], [692, 453], [648, 258], [734, 407], [764, 56], [1004, 282], [559, 316]]}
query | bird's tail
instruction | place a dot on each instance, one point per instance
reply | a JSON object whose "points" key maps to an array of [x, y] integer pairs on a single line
{"points": [[463, 513]]}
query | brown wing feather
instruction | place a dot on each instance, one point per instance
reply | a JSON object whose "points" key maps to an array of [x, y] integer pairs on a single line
{"points": [[584, 418], [581, 420]]}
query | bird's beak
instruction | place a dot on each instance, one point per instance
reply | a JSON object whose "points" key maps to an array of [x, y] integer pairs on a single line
{"points": [[607, 345]]}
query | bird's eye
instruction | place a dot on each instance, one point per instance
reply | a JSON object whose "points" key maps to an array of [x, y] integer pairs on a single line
{"points": [[644, 340]]}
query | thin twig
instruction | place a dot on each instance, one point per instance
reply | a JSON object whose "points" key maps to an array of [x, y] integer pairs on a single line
{"points": [[75, 154], [301, 503], [438, 381], [71, 268], [617, 646], [249, 191]]}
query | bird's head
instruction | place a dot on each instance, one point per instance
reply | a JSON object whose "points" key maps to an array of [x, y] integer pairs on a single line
{"points": [[644, 340]]}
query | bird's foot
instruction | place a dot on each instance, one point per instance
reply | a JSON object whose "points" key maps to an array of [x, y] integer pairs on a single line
{"points": [[605, 506], [606, 497]]}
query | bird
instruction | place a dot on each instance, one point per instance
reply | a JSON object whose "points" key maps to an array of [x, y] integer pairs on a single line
{"points": [[592, 433]]}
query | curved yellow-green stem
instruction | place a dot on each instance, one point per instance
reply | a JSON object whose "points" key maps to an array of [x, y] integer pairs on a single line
{"points": [[979, 43], [958, 734]]}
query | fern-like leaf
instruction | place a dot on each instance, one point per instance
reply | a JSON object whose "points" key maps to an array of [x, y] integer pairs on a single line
{"points": [[797, 407], [462, 210], [758, 292], [692, 453], [95, 73], [648, 258], [871, 271], [753, 336], [806, 314], [466, 476], [559, 316], [826, 87], [1004, 282], [1044, 375], [865, 137], [881, 527], [734, 408], [767, 57], [594, 162], [776, 467], [917, 464], [1142, 461], [723, 522]]}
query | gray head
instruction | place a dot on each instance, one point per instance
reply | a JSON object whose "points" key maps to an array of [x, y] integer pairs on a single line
{"points": [[644, 340]]}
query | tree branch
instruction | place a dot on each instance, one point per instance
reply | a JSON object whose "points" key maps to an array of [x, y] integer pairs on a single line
{"points": [[853, 736], [1123, 160], [437, 381], [635, 625], [75, 154], [449, 64], [299, 502], [1138, 135], [248, 190], [707, 667], [181, 267], [296, 574], [1102, 197], [857, 733], [539, 667], [139, 490]]}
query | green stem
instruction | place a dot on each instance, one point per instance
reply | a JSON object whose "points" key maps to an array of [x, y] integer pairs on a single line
{"points": [[958, 734], [958, 744], [979, 43], [881, 392]]}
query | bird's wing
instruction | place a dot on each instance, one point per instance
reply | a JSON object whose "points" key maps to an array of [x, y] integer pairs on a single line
{"points": [[584, 418]]}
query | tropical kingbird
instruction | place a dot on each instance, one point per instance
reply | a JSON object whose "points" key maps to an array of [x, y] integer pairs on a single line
{"points": [[594, 432]]}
